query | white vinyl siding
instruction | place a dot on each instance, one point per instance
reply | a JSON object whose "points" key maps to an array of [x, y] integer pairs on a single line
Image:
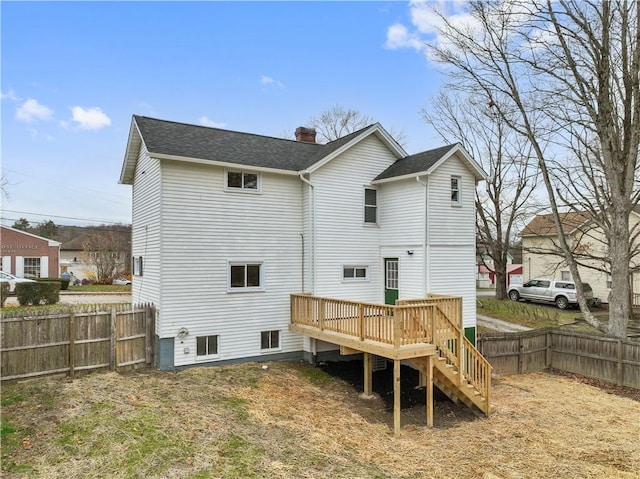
{"points": [[342, 238], [204, 228], [451, 260], [146, 230]]}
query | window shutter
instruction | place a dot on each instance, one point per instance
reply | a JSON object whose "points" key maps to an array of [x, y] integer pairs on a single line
{"points": [[6, 264], [44, 266], [19, 266]]}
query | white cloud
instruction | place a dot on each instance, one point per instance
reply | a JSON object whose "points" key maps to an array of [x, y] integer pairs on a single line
{"points": [[10, 95], [205, 121], [266, 80], [398, 36], [92, 118], [31, 110], [426, 20]]}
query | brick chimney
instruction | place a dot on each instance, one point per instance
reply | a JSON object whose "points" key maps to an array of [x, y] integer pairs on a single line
{"points": [[306, 134]]}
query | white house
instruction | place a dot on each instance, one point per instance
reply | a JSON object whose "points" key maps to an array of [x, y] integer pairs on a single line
{"points": [[226, 225]]}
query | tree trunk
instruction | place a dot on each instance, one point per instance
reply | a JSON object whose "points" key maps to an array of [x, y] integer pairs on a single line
{"points": [[501, 283], [620, 305]]}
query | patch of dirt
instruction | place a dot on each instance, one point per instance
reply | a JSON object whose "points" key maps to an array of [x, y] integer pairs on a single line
{"points": [[413, 398]]}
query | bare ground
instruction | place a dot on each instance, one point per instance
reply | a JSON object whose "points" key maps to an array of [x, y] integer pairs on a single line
{"points": [[291, 420]]}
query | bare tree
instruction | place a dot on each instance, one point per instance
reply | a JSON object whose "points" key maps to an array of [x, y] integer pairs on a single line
{"points": [[338, 121], [107, 252], [507, 200], [565, 75]]}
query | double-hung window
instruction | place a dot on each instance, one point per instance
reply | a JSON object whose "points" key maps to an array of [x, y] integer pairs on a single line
{"points": [[370, 206], [246, 276], [456, 185], [31, 268], [242, 181]]}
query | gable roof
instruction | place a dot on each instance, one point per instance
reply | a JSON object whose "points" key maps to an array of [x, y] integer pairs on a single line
{"points": [[182, 141], [50, 242], [426, 162], [543, 225]]}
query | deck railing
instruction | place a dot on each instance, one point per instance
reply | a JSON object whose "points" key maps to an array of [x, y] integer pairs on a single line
{"points": [[435, 320]]}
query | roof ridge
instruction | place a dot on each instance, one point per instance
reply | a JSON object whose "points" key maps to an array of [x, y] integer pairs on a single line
{"points": [[225, 130]]}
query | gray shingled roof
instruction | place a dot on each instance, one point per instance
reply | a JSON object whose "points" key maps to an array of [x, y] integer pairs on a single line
{"points": [[193, 141], [417, 163]]}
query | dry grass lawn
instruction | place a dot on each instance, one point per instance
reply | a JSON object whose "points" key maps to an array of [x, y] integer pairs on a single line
{"points": [[294, 421]]}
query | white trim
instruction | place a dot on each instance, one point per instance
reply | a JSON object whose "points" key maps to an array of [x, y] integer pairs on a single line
{"points": [[226, 164]]}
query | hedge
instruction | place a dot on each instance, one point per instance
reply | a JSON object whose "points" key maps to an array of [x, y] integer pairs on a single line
{"points": [[64, 282], [4, 292], [38, 293]]}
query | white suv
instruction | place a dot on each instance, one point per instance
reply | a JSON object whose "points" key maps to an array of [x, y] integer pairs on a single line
{"points": [[545, 290]]}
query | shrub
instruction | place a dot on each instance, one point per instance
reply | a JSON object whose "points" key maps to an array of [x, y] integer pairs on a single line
{"points": [[4, 292], [38, 293], [64, 282]]}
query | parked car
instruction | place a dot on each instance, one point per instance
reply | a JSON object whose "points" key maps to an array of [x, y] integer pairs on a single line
{"points": [[121, 281], [544, 290], [13, 280]]}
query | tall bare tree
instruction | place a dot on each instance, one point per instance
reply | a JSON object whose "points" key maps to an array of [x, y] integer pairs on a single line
{"points": [[565, 75], [337, 121], [508, 197]]}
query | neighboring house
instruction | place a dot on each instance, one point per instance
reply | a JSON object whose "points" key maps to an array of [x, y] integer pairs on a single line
{"points": [[77, 256], [487, 277], [227, 225], [26, 255], [73, 259], [541, 258]]}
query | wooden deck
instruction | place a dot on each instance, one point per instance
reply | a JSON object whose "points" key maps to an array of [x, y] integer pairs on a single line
{"points": [[426, 332]]}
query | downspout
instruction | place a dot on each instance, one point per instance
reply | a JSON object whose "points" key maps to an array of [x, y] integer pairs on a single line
{"points": [[312, 246], [312, 224], [426, 277]]}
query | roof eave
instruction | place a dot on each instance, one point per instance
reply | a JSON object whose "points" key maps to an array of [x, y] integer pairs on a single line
{"points": [[224, 164], [134, 142]]}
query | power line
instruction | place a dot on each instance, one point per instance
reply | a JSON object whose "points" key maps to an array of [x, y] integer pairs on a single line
{"points": [[92, 220]]}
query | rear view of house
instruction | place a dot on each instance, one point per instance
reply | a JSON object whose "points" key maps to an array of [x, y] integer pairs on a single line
{"points": [[228, 225]]}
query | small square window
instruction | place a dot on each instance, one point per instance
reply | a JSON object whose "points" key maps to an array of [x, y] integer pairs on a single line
{"points": [[565, 275], [137, 266], [270, 340], [455, 190], [206, 345]]}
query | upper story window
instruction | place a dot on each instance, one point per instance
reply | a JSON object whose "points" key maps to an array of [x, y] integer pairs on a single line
{"points": [[242, 181], [370, 206], [456, 183], [247, 276]]}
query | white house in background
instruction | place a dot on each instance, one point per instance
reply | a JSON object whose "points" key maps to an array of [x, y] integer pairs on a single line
{"points": [[226, 225]]}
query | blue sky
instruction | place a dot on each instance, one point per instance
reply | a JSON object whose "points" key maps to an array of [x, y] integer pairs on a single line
{"points": [[74, 73]]}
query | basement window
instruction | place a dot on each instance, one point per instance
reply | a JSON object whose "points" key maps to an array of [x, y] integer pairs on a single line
{"points": [[269, 340], [207, 345]]}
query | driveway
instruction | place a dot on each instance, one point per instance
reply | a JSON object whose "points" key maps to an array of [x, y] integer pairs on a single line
{"points": [[499, 325]]}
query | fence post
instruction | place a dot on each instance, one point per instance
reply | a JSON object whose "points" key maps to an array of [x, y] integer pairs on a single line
{"points": [[72, 344], [548, 351], [150, 317], [112, 345], [520, 354], [619, 365]]}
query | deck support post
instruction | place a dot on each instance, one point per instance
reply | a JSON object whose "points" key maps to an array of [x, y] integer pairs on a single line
{"points": [[368, 374], [429, 381], [396, 397]]}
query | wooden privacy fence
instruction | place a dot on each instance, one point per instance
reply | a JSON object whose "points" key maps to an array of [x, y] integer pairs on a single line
{"points": [[77, 341], [612, 360]]}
